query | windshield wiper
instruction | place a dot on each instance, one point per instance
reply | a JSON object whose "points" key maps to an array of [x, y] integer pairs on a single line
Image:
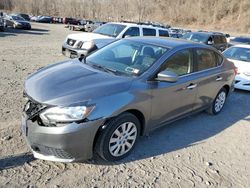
{"points": [[106, 69]]}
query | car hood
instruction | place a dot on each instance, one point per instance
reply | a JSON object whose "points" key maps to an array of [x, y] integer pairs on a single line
{"points": [[87, 36], [242, 66], [72, 82]]}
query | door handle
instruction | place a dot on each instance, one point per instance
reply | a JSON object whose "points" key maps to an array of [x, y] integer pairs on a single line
{"points": [[219, 78], [192, 86]]}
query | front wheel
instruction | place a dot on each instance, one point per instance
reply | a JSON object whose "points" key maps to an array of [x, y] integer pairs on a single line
{"points": [[219, 102], [118, 139]]}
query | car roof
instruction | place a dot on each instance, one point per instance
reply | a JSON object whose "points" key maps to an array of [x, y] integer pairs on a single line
{"points": [[167, 42], [138, 25]]}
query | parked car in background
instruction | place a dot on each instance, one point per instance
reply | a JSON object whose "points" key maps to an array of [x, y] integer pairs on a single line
{"points": [[24, 16], [175, 35], [240, 56], [104, 102], [44, 19], [217, 40], [71, 21], [16, 22], [81, 25], [91, 26], [239, 40], [2, 22], [57, 20], [35, 18], [79, 44]]}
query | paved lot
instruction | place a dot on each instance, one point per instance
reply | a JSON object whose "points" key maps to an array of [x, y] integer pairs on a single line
{"points": [[199, 151]]}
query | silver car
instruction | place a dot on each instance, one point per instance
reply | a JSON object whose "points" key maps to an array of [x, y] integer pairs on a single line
{"points": [[104, 102]]}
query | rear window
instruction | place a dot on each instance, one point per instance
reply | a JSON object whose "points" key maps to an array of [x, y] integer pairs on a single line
{"points": [[163, 33], [149, 32]]}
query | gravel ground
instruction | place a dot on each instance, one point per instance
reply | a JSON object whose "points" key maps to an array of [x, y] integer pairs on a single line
{"points": [[199, 151]]}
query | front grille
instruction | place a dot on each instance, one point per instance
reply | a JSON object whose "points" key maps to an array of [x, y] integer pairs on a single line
{"points": [[45, 150], [32, 108], [71, 42]]}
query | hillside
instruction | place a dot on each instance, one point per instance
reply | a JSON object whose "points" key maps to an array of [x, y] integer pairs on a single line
{"points": [[230, 15]]}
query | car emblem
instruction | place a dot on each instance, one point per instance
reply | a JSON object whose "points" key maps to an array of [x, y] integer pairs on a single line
{"points": [[71, 42]]}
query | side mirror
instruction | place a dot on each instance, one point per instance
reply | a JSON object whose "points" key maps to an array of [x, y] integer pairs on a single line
{"points": [[126, 36], [210, 42], [167, 76]]}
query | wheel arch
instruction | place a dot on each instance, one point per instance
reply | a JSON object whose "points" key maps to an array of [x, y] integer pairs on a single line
{"points": [[138, 114]]}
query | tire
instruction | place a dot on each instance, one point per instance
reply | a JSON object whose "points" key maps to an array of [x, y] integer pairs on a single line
{"points": [[112, 147], [218, 102]]}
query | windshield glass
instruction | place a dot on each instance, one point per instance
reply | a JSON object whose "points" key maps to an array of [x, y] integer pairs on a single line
{"points": [[126, 57], [196, 37], [238, 53], [112, 30], [17, 18]]}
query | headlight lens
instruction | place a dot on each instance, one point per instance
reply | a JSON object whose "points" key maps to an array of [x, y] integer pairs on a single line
{"points": [[79, 44], [17, 23], [65, 114], [88, 45], [246, 73]]}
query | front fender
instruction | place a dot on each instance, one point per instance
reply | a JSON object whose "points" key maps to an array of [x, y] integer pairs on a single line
{"points": [[111, 106]]}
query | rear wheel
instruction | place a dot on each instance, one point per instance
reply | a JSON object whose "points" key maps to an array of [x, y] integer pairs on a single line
{"points": [[118, 139], [219, 102]]}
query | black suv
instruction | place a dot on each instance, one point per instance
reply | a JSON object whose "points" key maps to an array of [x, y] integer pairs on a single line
{"points": [[217, 40]]}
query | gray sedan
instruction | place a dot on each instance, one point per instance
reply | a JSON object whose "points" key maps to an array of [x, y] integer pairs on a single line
{"points": [[104, 102]]}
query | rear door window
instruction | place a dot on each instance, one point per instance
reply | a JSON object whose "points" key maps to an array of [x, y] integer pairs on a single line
{"points": [[206, 59], [163, 33], [149, 32]]}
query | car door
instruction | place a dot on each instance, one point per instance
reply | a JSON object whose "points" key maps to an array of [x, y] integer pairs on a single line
{"points": [[170, 100], [209, 76]]}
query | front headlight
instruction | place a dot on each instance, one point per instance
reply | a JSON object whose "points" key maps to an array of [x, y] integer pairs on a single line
{"points": [[79, 44], [246, 73], [65, 114], [17, 23], [88, 45]]}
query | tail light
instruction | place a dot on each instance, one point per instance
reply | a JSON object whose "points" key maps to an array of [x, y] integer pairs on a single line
{"points": [[235, 70]]}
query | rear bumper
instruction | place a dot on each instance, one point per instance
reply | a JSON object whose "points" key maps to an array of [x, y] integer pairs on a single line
{"points": [[72, 142]]}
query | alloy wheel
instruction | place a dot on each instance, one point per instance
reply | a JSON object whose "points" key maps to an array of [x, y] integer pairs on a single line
{"points": [[220, 101], [122, 139]]}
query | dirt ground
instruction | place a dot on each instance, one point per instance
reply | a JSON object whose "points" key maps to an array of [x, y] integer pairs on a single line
{"points": [[199, 151]]}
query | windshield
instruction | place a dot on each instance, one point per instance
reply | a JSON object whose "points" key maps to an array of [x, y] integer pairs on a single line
{"points": [[238, 53], [112, 30], [196, 37], [17, 18], [126, 57]]}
